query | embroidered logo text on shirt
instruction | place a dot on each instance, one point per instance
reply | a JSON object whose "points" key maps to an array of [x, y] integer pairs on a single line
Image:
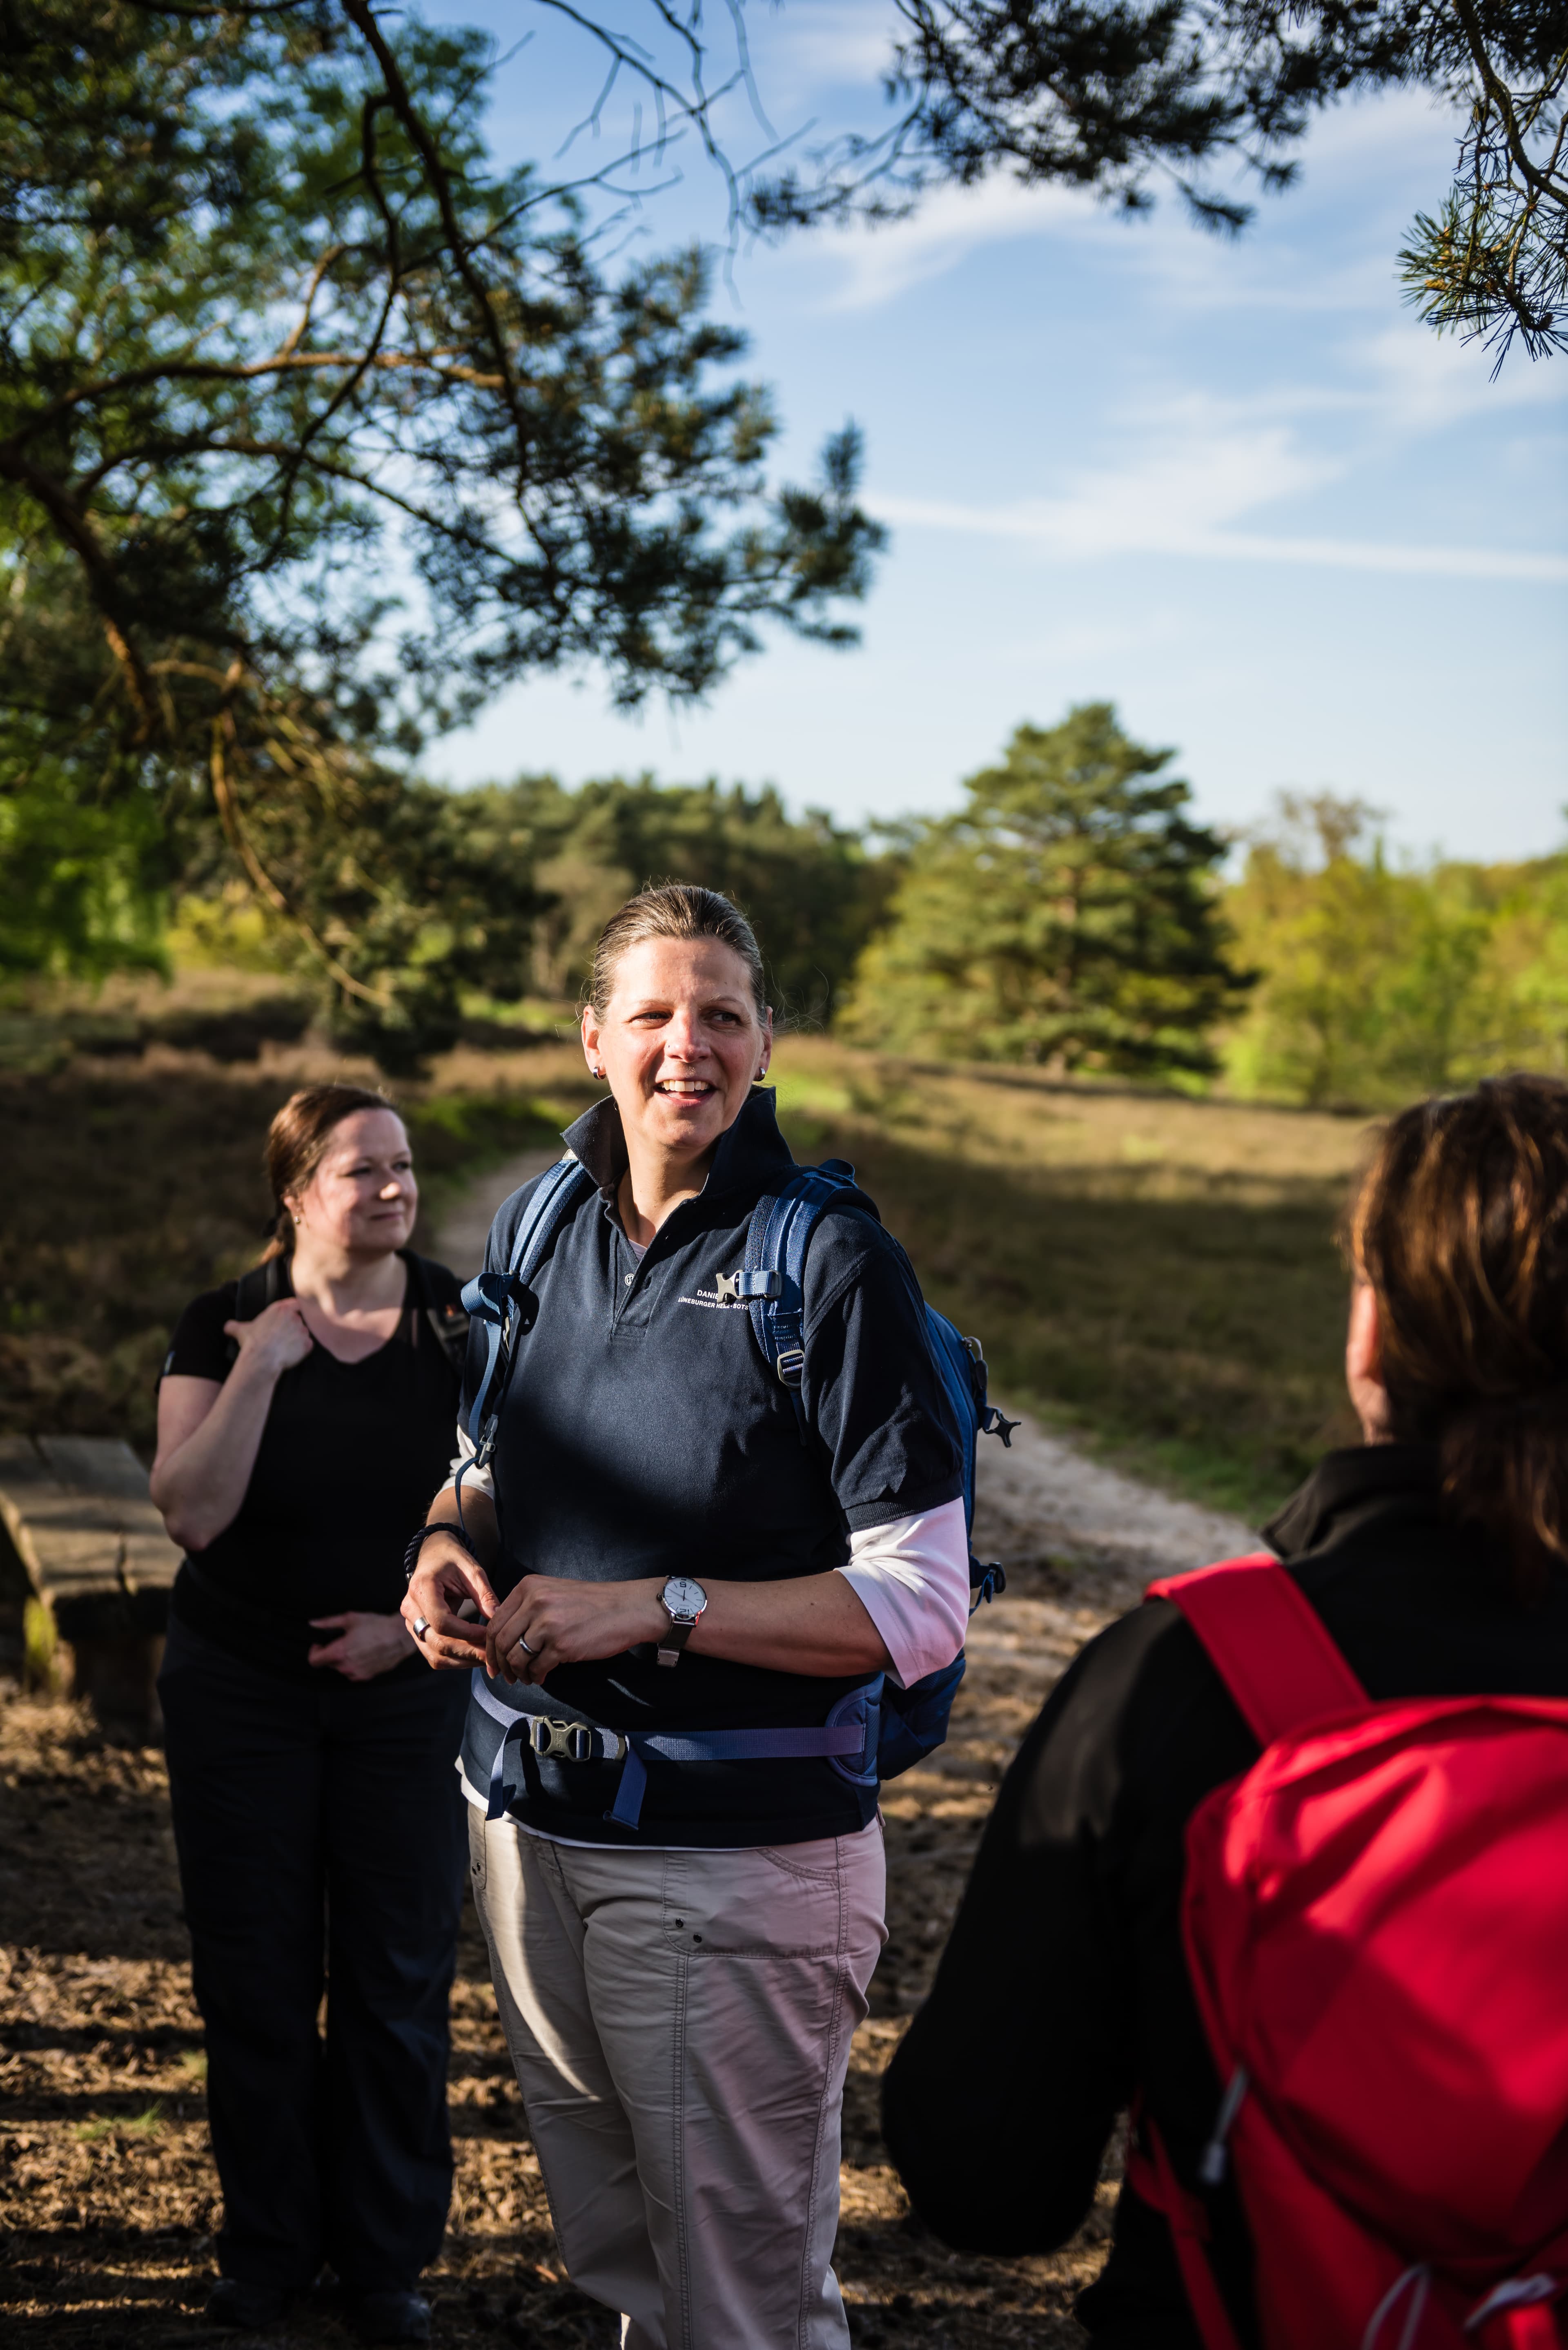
{"points": [[726, 1292]]}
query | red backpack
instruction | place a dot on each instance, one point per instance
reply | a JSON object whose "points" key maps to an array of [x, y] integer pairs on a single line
{"points": [[1376, 1924]]}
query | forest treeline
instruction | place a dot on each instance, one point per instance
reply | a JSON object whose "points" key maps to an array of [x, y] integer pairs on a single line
{"points": [[1381, 979], [1071, 915]]}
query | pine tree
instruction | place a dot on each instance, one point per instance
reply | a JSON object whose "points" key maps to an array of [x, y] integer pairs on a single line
{"points": [[1067, 915], [318, 430]]}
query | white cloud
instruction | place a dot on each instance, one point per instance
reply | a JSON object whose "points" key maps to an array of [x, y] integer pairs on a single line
{"points": [[1108, 518], [1198, 470], [1191, 473], [1428, 381], [1404, 137], [877, 265], [815, 46]]}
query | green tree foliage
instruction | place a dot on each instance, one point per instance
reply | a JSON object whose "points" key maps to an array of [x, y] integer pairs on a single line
{"points": [[383, 879], [1383, 982], [1105, 95], [809, 886], [1067, 915], [80, 891], [1492, 262], [271, 328]]}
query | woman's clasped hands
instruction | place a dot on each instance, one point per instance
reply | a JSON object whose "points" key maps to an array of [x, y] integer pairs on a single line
{"points": [[548, 1619]]}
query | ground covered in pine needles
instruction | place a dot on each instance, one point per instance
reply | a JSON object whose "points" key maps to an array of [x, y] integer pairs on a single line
{"points": [[109, 2200]]}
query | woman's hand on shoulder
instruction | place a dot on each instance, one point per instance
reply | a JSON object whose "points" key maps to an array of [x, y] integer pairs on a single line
{"points": [[450, 1594], [366, 1645], [277, 1338]]}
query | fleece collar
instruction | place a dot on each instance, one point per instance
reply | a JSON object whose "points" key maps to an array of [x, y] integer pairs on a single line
{"points": [[1355, 1481], [753, 1155]]}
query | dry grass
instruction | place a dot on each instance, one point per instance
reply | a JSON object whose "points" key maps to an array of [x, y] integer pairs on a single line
{"points": [[109, 2200], [130, 1183], [1157, 1272]]}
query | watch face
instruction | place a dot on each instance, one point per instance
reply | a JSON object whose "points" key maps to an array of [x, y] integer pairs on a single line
{"points": [[683, 1597]]}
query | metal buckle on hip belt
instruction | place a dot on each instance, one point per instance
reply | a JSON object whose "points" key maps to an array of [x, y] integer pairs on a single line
{"points": [[550, 1738], [588, 1741], [574, 1742]]}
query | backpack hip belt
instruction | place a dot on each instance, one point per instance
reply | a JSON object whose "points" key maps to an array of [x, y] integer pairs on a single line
{"points": [[850, 1730]]}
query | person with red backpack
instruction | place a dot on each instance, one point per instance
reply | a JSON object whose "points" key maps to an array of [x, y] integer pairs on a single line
{"points": [[1282, 1868]]}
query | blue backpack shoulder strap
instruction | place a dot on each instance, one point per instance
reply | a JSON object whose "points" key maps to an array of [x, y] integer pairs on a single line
{"points": [[501, 1306], [910, 1722], [772, 1280]]}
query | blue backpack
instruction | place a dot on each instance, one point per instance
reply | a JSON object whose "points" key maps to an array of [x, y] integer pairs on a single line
{"points": [[898, 1726], [913, 1721]]}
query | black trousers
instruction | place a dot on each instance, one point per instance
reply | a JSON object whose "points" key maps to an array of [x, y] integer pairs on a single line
{"points": [[322, 1845]]}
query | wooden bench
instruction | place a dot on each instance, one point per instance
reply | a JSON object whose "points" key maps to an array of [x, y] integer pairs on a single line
{"points": [[79, 1512]]}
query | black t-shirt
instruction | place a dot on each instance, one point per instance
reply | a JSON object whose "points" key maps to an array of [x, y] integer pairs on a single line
{"points": [[349, 1458], [1064, 1987], [643, 1434]]}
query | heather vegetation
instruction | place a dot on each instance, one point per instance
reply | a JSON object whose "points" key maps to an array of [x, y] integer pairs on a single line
{"points": [[1156, 1271]]}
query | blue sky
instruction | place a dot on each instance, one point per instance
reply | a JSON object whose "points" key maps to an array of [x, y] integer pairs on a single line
{"points": [[1234, 487]]}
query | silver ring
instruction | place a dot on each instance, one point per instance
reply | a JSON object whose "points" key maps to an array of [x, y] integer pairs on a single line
{"points": [[523, 1644], [421, 1627]]}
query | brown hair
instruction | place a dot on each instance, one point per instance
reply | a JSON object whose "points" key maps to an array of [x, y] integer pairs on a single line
{"points": [[673, 910], [297, 1143], [1461, 1225]]}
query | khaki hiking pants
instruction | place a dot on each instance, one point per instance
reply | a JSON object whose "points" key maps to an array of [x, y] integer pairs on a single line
{"points": [[681, 2025]]}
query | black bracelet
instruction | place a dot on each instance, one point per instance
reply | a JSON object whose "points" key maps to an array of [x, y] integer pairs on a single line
{"points": [[436, 1526]]}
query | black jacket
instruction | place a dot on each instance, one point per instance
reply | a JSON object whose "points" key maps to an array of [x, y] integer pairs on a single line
{"points": [[1064, 1987]]}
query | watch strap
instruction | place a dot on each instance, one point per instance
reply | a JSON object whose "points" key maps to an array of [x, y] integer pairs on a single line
{"points": [[673, 1640], [679, 1630]]}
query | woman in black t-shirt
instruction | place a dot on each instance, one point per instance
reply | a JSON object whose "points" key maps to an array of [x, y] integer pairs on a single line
{"points": [[304, 1413]]}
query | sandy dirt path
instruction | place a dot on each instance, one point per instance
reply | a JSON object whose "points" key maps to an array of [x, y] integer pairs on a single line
{"points": [[463, 1225], [108, 2197]]}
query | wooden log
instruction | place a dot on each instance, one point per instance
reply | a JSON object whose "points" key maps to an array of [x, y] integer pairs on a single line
{"points": [[82, 1520]]}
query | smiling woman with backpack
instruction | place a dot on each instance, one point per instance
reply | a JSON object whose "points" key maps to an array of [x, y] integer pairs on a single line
{"points": [[304, 1412], [1327, 1976], [693, 1564]]}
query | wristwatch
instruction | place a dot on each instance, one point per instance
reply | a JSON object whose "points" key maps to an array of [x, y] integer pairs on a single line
{"points": [[683, 1601]]}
